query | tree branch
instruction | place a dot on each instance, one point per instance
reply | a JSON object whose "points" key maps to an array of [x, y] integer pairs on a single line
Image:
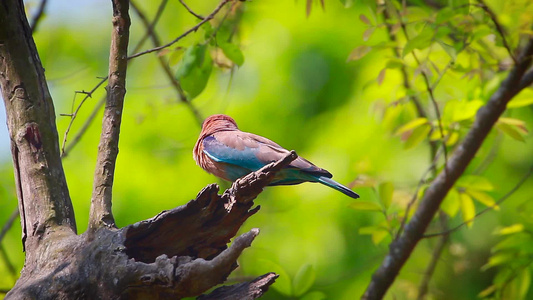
{"points": [[499, 28], [487, 116], [100, 213], [214, 219], [505, 197], [190, 10], [243, 291], [164, 65], [42, 192], [437, 252], [9, 223], [193, 29], [38, 16], [66, 149], [150, 259]]}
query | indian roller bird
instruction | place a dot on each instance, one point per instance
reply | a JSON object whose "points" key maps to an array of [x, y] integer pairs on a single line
{"points": [[228, 153]]}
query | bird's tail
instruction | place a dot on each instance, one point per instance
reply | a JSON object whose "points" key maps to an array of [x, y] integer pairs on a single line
{"points": [[339, 187]]}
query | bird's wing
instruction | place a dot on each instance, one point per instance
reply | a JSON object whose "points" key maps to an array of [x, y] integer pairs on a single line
{"points": [[252, 151]]}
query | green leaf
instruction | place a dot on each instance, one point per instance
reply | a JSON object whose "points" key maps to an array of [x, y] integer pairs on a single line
{"points": [[486, 292], [460, 6], [233, 53], [175, 57], [510, 229], [304, 279], [411, 125], [359, 52], [421, 41], [510, 131], [193, 58], [468, 209], [418, 135], [444, 15], [386, 190], [379, 236], [524, 281], [475, 182], [394, 63], [519, 124], [498, 259], [484, 198], [378, 233], [456, 111], [283, 282], [449, 49], [347, 3], [451, 203], [365, 205], [316, 295], [196, 80], [520, 102]]}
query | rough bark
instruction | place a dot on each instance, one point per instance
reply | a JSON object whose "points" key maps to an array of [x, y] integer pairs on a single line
{"points": [[486, 117], [104, 173], [146, 260], [179, 253], [44, 201]]}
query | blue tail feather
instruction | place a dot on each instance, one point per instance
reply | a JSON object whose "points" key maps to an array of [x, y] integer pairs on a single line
{"points": [[339, 187]]}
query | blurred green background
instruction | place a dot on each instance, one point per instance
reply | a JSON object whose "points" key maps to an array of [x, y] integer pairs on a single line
{"points": [[297, 88]]}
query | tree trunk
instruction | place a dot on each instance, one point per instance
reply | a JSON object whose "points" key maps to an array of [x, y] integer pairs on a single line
{"points": [[178, 253]]}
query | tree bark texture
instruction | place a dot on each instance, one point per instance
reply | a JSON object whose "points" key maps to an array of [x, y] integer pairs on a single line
{"points": [[179, 253], [104, 173], [42, 192], [486, 117]]}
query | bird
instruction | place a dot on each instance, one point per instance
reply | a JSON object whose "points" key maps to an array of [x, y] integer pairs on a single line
{"points": [[229, 153]]}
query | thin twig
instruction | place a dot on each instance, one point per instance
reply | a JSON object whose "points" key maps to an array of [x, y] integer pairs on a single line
{"points": [[190, 10], [66, 149], [150, 28], [9, 223], [10, 267], [500, 201], [38, 16], [193, 29], [75, 113], [429, 90], [100, 212], [499, 28], [164, 65], [437, 252]]}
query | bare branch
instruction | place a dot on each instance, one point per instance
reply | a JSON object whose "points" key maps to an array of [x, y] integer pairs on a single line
{"points": [[164, 65], [9, 265], [499, 28], [66, 149], [527, 80], [401, 249], [75, 113], [214, 219], [38, 16], [190, 10], [193, 29], [244, 291], [500, 201], [9, 223], [437, 251], [100, 213], [44, 200], [178, 253]]}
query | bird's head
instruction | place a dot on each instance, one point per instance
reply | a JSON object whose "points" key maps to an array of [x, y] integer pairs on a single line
{"points": [[217, 123]]}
